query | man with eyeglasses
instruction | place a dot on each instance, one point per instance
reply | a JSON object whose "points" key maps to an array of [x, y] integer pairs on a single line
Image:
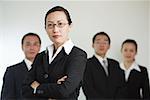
{"points": [[103, 76]]}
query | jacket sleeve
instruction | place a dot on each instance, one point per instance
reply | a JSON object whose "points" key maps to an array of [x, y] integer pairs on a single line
{"points": [[75, 67], [145, 85], [87, 84], [8, 88]]}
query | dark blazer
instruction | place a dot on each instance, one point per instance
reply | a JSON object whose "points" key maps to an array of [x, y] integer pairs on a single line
{"points": [[96, 85], [12, 81], [46, 74], [136, 81]]}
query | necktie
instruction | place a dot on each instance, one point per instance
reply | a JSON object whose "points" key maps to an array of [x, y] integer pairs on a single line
{"points": [[105, 67]]}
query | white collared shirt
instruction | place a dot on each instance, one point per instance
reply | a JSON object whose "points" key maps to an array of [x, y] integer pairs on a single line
{"points": [[101, 59], [127, 71], [28, 63], [68, 45]]}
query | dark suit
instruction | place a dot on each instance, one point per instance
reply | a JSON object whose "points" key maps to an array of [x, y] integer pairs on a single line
{"points": [[46, 74], [96, 85], [12, 81], [136, 81]]}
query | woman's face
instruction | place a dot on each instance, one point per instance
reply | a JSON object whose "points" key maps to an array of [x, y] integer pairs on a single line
{"points": [[128, 52], [57, 27]]}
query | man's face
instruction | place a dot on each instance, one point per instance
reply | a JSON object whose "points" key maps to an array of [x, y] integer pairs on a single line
{"points": [[31, 46], [101, 45]]}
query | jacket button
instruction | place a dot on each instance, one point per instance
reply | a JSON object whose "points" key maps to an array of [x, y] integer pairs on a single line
{"points": [[39, 91], [46, 76]]}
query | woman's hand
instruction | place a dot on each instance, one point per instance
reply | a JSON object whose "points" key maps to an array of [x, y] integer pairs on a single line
{"points": [[59, 81], [35, 84]]}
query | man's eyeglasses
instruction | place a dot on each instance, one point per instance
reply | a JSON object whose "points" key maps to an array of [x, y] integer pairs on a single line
{"points": [[59, 25], [102, 42]]}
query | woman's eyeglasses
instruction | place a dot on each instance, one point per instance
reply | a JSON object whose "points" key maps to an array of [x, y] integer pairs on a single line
{"points": [[59, 25]]}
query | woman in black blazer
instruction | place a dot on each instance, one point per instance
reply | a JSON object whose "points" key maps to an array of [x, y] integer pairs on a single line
{"points": [[136, 76], [57, 72]]}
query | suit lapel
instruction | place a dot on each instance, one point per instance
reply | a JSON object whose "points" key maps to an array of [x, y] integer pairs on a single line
{"points": [[49, 68], [97, 63], [45, 61], [24, 66], [134, 76], [60, 55], [99, 66]]}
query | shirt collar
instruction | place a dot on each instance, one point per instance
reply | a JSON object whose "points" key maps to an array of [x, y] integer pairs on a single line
{"points": [[101, 59], [133, 66], [28, 63], [68, 45]]}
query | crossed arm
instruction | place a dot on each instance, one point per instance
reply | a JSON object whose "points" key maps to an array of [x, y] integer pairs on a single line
{"points": [[64, 87], [35, 84]]}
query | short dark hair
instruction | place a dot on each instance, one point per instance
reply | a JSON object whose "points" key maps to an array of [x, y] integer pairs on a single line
{"points": [[101, 33], [30, 34], [130, 41], [59, 8]]}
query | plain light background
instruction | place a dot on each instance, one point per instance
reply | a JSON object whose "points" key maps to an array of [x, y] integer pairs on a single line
{"points": [[120, 19]]}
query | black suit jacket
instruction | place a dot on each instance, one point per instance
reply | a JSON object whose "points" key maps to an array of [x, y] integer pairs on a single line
{"points": [[136, 81], [12, 81], [46, 74], [96, 85]]}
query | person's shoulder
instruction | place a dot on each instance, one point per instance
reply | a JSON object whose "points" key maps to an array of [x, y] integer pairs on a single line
{"points": [[91, 58], [42, 53], [77, 50], [15, 66], [144, 71], [39, 57], [112, 60], [142, 68]]}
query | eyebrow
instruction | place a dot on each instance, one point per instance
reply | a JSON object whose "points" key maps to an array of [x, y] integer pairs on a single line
{"points": [[50, 21], [57, 21], [104, 39]]}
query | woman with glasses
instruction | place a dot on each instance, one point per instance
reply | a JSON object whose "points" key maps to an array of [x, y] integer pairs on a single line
{"points": [[136, 76], [57, 72]]}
